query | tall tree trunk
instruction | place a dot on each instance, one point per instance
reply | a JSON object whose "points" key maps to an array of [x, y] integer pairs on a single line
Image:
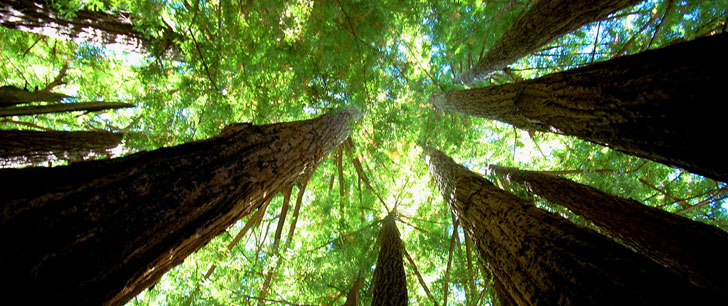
{"points": [[11, 95], [390, 283], [659, 104], [34, 146], [542, 259], [352, 298], [692, 249], [37, 17], [546, 21], [100, 232], [61, 108]]}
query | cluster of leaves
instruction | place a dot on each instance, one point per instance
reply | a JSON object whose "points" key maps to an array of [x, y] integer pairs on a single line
{"points": [[272, 61]]}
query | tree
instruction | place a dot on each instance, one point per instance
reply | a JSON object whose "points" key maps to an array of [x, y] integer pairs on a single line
{"points": [[11, 95], [352, 298], [688, 248], [36, 16], [390, 283], [540, 258], [61, 108], [35, 146], [543, 23], [632, 104], [100, 232]]}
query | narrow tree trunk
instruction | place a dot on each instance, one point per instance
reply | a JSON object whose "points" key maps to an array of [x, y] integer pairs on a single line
{"points": [[61, 108], [542, 259], [546, 21], [659, 104], [11, 95], [100, 232], [390, 283], [86, 26], [692, 249], [35, 147], [352, 298]]}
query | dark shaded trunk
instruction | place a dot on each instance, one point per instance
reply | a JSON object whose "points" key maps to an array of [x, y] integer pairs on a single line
{"points": [[390, 282], [692, 249], [37, 17], [542, 259], [11, 95], [352, 298], [659, 104], [100, 232], [546, 21], [61, 108], [17, 146]]}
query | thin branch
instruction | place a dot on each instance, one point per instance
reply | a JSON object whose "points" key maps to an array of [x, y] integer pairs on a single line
{"points": [[40, 37], [676, 199], [596, 41], [634, 37], [419, 277], [58, 80], [659, 25], [703, 203], [449, 259]]}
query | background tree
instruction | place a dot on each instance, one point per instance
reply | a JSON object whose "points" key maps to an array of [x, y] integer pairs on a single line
{"points": [[34, 146], [390, 283]]}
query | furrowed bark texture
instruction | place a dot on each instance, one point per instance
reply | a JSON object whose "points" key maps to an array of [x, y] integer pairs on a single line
{"points": [[546, 21], [542, 259], [18, 146], [37, 17], [691, 249], [62, 108], [100, 232], [11, 95], [390, 282], [659, 104]]}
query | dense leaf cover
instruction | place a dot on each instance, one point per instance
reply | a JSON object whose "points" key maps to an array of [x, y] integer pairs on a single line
{"points": [[273, 61]]}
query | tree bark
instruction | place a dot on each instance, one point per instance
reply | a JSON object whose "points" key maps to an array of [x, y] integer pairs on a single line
{"points": [[542, 259], [11, 95], [18, 146], [546, 21], [352, 298], [691, 249], [61, 108], [390, 282], [100, 232], [659, 104], [86, 26]]}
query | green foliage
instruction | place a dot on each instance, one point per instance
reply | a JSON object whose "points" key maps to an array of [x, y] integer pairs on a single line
{"points": [[273, 61]]}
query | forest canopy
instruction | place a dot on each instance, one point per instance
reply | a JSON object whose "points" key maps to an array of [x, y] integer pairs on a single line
{"points": [[197, 66]]}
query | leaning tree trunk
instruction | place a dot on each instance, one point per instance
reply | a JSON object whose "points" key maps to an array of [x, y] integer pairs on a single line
{"points": [[546, 21], [542, 259], [691, 249], [35, 147], [11, 95], [390, 283], [36, 16], [659, 104], [61, 108], [100, 232]]}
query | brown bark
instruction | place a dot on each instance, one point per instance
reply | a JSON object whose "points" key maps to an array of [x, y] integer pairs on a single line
{"points": [[11, 95], [61, 108], [32, 147], [546, 21], [659, 104], [100, 232], [37, 17], [390, 283], [691, 249], [542, 259], [352, 298]]}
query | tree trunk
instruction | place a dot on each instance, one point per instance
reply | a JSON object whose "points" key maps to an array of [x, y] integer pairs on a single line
{"points": [[390, 283], [100, 232], [17, 146], [691, 249], [659, 104], [86, 26], [61, 108], [546, 21], [11, 95], [542, 259], [352, 298]]}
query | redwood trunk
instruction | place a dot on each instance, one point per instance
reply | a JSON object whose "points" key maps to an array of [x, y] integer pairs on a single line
{"points": [[17, 146], [546, 21], [100, 232], [352, 298], [691, 249], [542, 259], [11, 95], [61, 108], [86, 26], [659, 104], [390, 282]]}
